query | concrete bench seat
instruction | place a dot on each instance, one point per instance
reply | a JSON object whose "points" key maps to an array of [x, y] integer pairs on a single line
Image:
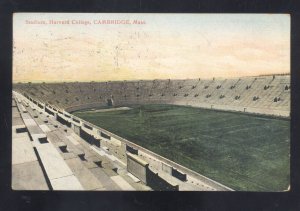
{"points": [[122, 183], [110, 172], [88, 152], [61, 144], [136, 183], [78, 152], [63, 147], [28, 176], [22, 150], [68, 155], [72, 139], [34, 129], [105, 180], [22, 108], [85, 177], [26, 170], [56, 168], [93, 162], [66, 183], [15, 112], [44, 128], [39, 139]]}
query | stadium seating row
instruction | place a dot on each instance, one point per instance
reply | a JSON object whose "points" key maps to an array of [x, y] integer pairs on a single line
{"points": [[260, 94]]}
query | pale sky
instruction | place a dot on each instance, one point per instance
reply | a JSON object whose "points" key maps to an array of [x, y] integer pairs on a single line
{"points": [[175, 46]]}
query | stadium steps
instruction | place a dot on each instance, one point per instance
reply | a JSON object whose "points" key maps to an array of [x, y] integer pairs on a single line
{"points": [[81, 170]]}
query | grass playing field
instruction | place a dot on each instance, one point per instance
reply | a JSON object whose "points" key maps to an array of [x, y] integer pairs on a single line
{"points": [[241, 151]]}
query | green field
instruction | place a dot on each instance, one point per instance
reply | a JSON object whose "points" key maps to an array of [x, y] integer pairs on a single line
{"points": [[241, 151]]}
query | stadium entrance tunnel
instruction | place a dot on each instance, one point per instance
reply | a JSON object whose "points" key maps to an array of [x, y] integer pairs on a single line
{"points": [[110, 102]]}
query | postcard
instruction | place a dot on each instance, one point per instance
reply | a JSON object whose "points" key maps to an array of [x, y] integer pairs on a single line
{"points": [[151, 102]]}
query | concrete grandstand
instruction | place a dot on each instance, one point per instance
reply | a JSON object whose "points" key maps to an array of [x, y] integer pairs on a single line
{"points": [[268, 95], [91, 158]]}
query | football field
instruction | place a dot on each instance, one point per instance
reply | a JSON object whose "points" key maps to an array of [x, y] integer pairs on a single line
{"points": [[243, 152]]}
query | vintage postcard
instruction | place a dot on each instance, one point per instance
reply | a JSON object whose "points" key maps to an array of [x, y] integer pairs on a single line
{"points": [[151, 102]]}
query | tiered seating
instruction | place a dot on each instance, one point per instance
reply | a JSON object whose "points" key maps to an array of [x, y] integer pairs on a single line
{"points": [[265, 92], [70, 162]]}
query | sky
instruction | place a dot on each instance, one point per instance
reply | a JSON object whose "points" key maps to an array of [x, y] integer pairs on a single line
{"points": [[162, 46]]}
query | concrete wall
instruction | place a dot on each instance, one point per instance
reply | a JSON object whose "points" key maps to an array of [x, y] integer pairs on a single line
{"points": [[166, 168], [158, 183], [137, 167], [140, 168]]}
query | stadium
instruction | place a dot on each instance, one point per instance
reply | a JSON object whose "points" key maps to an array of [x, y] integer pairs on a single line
{"points": [[196, 134], [179, 102]]}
